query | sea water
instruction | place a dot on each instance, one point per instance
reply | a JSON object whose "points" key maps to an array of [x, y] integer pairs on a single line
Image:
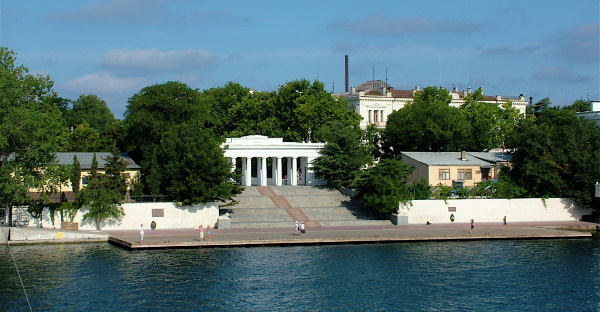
{"points": [[508, 275]]}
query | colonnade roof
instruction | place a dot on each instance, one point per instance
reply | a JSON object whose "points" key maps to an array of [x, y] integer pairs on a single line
{"points": [[263, 146]]}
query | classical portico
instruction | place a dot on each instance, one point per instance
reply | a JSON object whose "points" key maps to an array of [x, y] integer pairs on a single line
{"points": [[270, 161]]}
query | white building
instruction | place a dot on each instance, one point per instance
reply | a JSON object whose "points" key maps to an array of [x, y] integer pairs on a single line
{"points": [[375, 100], [594, 114], [287, 163]]}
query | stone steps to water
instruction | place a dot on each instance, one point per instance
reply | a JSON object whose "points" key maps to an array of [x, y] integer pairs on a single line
{"points": [[282, 206]]}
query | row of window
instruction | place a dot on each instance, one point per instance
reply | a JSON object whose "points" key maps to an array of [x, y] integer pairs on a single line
{"points": [[463, 174]]}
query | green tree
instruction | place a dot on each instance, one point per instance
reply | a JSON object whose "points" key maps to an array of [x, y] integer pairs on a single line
{"points": [[342, 157], [303, 108], [539, 106], [382, 187], [580, 106], [556, 155], [429, 124], [93, 110], [223, 100], [255, 114], [101, 198], [31, 128], [420, 190], [490, 123], [193, 167], [154, 111]]}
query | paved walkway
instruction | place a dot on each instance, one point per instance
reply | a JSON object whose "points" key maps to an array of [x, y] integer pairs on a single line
{"points": [[189, 238]]}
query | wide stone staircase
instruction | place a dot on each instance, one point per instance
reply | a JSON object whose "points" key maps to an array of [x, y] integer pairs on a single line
{"points": [[281, 206]]}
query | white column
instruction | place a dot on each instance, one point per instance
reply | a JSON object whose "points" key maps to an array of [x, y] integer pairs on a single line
{"points": [[246, 171], [301, 167], [294, 174], [310, 175], [288, 171], [273, 170], [277, 174], [370, 116], [262, 171], [258, 171]]}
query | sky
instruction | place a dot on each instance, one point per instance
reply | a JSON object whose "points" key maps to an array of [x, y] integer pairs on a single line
{"points": [[115, 48]]}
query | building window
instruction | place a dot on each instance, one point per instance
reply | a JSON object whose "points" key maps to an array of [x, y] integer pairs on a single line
{"points": [[84, 180], [465, 174], [444, 174]]}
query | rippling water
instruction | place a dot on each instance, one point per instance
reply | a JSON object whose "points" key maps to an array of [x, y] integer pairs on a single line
{"points": [[536, 275]]}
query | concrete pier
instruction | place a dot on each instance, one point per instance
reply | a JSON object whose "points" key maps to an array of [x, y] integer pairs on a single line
{"points": [[250, 237], [189, 238]]}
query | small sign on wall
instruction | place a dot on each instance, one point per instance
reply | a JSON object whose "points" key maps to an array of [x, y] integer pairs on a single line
{"points": [[451, 209], [157, 213]]}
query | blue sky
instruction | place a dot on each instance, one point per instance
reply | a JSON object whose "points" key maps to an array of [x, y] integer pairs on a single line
{"points": [[114, 48]]}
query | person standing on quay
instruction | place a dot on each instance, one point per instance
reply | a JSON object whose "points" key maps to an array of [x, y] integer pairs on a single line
{"points": [[473, 226], [142, 232], [208, 232], [504, 224], [201, 232], [302, 231]]}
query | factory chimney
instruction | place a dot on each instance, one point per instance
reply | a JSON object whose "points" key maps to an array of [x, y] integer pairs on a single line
{"points": [[347, 80]]}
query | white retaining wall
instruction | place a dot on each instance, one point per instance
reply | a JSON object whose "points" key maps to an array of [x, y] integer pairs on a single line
{"points": [[185, 217], [492, 210]]}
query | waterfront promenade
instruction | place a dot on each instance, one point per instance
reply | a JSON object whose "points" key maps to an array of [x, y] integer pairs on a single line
{"points": [[189, 238]]}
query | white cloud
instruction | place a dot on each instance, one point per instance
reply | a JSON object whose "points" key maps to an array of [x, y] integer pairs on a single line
{"points": [[154, 60], [103, 84]]}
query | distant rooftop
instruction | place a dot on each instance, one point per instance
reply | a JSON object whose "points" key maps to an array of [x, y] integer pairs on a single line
{"points": [[85, 159]]}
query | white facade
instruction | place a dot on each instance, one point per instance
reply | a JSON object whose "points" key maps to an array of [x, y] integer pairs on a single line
{"points": [[258, 157], [375, 105], [165, 216], [492, 210]]}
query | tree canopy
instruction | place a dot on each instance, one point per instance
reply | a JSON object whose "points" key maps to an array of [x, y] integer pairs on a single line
{"points": [[556, 154], [382, 187], [31, 128], [429, 124], [343, 156]]}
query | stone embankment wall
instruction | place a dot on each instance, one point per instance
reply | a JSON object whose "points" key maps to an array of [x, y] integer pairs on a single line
{"points": [[491, 210], [165, 215]]}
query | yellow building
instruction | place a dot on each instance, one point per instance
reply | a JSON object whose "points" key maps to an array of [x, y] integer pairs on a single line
{"points": [[455, 169], [85, 160]]}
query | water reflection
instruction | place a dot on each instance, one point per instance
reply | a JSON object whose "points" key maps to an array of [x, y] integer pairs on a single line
{"points": [[550, 275]]}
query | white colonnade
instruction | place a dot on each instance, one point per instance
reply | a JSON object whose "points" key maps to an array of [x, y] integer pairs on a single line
{"points": [[289, 162]]}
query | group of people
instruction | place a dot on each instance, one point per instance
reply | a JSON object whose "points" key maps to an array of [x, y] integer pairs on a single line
{"points": [[299, 228], [202, 230], [504, 225]]}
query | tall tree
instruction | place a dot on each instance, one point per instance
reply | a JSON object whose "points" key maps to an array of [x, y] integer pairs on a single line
{"points": [[93, 110], [382, 187], [31, 128], [429, 124], [343, 156], [103, 195], [193, 167], [556, 155], [490, 123], [153, 111], [222, 100]]}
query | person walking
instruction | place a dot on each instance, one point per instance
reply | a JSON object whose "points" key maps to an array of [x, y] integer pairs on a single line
{"points": [[201, 229], [504, 224], [296, 228], [302, 231], [473, 226], [142, 232]]}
